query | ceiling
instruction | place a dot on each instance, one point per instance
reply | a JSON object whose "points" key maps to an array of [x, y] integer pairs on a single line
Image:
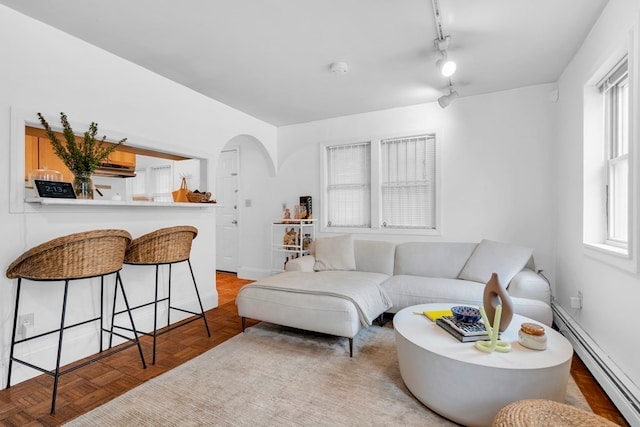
{"points": [[271, 59]]}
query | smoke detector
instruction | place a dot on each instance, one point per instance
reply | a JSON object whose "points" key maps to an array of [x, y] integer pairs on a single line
{"points": [[339, 68]]}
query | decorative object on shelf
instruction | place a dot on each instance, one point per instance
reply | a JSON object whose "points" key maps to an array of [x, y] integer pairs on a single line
{"points": [[494, 295], [306, 241], [290, 237], [305, 203], [199, 197], [531, 335], [44, 175], [494, 344], [82, 155], [299, 212], [83, 185], [180, 195]]}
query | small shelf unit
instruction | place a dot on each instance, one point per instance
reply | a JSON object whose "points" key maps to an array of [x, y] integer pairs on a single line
{"points": [[283, 250]]}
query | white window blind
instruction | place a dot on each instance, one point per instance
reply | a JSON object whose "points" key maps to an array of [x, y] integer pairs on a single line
{"points": [[137, 185], [349, 185], [408, 182], [161, 177]]}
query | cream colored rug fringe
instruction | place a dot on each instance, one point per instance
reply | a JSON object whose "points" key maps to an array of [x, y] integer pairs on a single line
{"points": [[274, 376]]}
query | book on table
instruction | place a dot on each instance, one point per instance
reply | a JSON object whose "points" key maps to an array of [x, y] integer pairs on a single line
{"points": [[433, 315], [464, 332]]}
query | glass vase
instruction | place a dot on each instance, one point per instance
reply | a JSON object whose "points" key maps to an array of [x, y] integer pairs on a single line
{"points": [[83, 186]]}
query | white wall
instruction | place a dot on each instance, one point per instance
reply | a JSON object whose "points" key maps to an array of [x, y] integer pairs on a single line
{"points": [[610, 295], [45, 70], [496, 166]]}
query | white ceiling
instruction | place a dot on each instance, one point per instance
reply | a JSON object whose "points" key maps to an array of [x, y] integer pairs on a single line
{"points": [[271, 58]]}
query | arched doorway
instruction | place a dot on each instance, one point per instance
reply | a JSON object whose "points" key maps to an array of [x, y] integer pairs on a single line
{"points": [[243, 164]]}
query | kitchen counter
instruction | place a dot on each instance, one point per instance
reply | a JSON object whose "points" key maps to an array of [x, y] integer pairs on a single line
{"points": [[44, 201]]}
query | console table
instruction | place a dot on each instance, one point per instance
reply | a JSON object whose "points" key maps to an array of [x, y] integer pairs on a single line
{"points": [[469, 386]]}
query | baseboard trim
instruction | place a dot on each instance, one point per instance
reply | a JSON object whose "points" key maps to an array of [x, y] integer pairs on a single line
{"points": [[622, 392], [83, 342]]}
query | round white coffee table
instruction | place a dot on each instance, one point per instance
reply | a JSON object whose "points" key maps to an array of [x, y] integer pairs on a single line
{"points": [[469, 386]]}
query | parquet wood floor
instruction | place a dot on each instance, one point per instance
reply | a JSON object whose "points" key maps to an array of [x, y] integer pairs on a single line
{"points": [[28, 403]]}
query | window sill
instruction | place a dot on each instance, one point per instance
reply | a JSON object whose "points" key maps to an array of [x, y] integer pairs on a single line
{"points": [[615, 256]]}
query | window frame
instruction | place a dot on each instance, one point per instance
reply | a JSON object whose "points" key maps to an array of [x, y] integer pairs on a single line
{"points": [[596, 244], [616, 152], [376, 183]]}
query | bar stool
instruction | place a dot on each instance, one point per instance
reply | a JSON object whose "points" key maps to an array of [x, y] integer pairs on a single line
{"points": [[166, 246], [77, 256]]}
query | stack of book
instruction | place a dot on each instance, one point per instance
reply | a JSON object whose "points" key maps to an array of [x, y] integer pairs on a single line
{"points": [[464, 332]]}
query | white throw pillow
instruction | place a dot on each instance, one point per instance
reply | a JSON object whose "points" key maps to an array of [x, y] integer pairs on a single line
{"points": [[494, 257], [335, 253]]}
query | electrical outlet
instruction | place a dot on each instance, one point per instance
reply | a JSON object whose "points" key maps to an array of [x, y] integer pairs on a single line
{"points": [[576, 302], [580, 297], [25, 325]]}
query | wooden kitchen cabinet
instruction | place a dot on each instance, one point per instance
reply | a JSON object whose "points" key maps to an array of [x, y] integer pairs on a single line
{"points": [[30, 155], [122, 158], [39, 154], [47, 159]]}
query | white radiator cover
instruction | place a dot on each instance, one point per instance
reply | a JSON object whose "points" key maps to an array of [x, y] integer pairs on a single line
{"points": [[622, 391]]}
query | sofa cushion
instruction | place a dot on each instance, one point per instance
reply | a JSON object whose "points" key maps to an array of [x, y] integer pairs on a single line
{"points": [[335, 253], [432, 259], [406, 290], [374, 256], [495, 257]]}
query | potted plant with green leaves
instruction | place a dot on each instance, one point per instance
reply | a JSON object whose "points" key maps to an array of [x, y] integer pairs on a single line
{"points": [[82, 155]]}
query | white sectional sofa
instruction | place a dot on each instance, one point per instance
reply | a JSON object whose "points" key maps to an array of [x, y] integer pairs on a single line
{"points": [[345, 284]]}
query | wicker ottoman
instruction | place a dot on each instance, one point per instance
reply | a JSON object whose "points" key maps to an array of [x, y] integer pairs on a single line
{"points": [[544, 413]]}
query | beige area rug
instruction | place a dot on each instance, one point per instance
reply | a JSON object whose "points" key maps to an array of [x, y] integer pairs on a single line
{"points": [[275, 376]]}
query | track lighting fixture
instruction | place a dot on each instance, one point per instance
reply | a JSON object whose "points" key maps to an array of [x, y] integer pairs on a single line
{"points": [[446, 66], [445, 100]]}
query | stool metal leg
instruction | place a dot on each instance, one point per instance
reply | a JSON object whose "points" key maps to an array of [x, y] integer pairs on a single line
{"points": [[101, 310], [169, 298], [113, 312], [133, 326], [56, 375], [13, 335], [199, 300], [155, 315]]}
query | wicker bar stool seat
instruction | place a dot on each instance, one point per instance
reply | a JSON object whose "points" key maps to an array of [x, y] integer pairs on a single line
{"points": [[166, 246], [96, 253], [543, 413]]}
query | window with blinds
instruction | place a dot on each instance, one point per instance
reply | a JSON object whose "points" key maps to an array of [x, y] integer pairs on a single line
{"points": [[348, 185], [408, 182], [161, 178], [152, 181], [615, 89], [382, 184]]}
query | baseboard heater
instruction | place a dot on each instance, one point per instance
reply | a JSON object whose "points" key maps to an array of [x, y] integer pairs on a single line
{"points": [[620, 389]]}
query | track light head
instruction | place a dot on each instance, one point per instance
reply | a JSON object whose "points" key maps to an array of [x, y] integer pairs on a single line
{"points": [[446, 66], [445, 100]]}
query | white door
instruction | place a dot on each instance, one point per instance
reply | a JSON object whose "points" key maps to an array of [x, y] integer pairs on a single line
{"points": [[227, 214]]}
